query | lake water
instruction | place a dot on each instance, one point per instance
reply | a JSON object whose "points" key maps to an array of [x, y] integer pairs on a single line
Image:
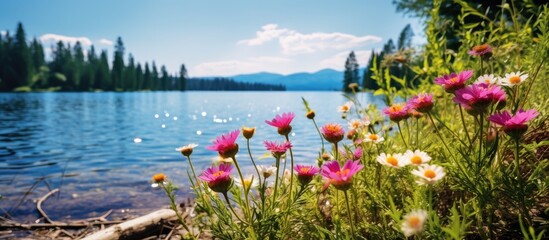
{"points": [[85, 144]]}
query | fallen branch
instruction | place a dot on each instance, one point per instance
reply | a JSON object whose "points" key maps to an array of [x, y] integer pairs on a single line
{"points": [[39, 205], [12, 224], [135, 226]]}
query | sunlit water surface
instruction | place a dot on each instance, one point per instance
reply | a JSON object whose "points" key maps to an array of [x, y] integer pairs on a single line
{"points": [[101, 149]]}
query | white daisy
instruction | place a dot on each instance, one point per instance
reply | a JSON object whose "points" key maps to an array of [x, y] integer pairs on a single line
{"points": [[266, 171], [392, 160], [488, 79], [187, 150], [514, 78], [372, 137], [249, 182], [429, 174], [413, 222], [346, 107], [416, 157]]}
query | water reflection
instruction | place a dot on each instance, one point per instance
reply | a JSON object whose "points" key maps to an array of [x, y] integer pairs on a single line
{"points": [[107, 145]]}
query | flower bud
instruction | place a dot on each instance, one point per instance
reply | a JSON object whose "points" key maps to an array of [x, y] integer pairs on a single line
{"points": [[311, 114], [248, 132]]}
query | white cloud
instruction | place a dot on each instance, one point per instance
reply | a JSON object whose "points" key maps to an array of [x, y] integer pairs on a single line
{"points": [[3, 33], [54, 38], [269, 59], [105, 41], [268, 32], [293, 42], [338, 61]]}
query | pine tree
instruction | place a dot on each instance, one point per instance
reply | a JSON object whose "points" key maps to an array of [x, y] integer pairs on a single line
{"points": [[183, 77], [129, 75], [164, 84], [118, 65], [351, 72], [147, 78], [154, 78], [102, 72], [139, 77], [20, 59]]}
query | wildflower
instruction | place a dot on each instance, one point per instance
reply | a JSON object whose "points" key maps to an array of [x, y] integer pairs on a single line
{"points": [[158, 179], [218, 178], [225, 144], [372, 137], [277, 149], [414, 113], [326, 156], [187, 150], [340, 178], [514, 126], [282, 122], [357, 154], [351, 134], [353, 86], [249, 182], [333, 132], [305, 174], [266, 171], [248, 132], [392, 160], [422, 102], [489, 79], [429, 174], [416, 157], [454, 81], [346, 107], [357, 124], [397, 112], [218, 160], [310, 114], [483, 50], [514, 78], [413, 222], [479, 96]]}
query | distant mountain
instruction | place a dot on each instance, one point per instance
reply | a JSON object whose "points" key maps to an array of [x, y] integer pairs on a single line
{"points": [[325, 79]]}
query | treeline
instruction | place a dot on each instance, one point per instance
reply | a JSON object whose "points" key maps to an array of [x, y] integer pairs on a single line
{"points": [[227, 84], [23, 67]]}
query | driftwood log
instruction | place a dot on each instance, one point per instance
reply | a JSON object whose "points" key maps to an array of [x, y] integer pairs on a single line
{"points": [[134, 227]]}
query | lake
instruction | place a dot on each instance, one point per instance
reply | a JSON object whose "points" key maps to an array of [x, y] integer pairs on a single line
{"points": [[101, 149]]}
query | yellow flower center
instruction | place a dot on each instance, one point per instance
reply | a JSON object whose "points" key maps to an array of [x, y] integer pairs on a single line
{"points": [[514, 79], [416, 160], [332, 128], [392, 160], [480, 48], [356, 124], [343, 172], [304, 170], [453, 80], [247, 183], [396, 108], [414, 222], [344, 108], [373, 137], [487, 80], [160, 177], [429, 173], [219, 173]]}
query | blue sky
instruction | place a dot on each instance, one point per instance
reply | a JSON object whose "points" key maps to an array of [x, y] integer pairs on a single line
{"points": [[218, 38]]}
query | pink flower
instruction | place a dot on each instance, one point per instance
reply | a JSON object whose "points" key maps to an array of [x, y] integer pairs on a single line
{"points": [[341, 178], [479, 96], [282, 123], [218, 178], [225, 144], [333, 132], [480, 50], [454, 81], [514, 126], [397, 112], [277, 149], [357, 154], [305, 174], [422, 102]]}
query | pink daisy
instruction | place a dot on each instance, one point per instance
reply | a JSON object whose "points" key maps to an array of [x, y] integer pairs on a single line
{"points": [[277, 149], [479, 96], [218, 178], [397, 112], [305, 174], [514, 126], [454, 81], [480, 50], [333, 132], [225, 144], [340, 178], [282, 122], [422, 102]]}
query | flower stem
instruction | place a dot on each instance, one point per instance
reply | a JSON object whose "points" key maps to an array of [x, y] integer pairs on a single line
{"points": [[173, 206], [336, 152], [465, 126], [276, 181], [231, 207], [246, 204], [349, 213], [291, 170], [438, 133], [319, 134], [401, 135], [520, 182], [253, 162]]}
